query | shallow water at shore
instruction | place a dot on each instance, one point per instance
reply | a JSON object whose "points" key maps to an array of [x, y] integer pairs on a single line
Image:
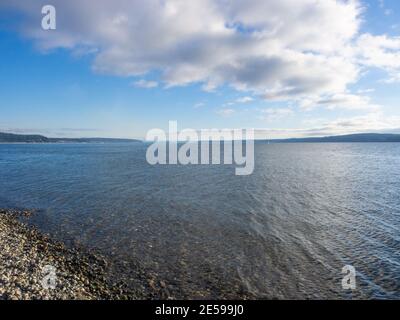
{"points": [[200, 231], [33, 266]]}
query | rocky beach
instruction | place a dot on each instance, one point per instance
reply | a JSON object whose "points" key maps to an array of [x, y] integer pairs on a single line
{"points": [[33, 266]]}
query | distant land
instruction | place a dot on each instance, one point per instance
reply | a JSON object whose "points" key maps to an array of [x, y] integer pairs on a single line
{"points": [[360, 137], [31, 138]]}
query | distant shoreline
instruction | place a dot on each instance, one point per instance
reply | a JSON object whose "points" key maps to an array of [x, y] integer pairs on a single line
{"points": [[31, 138], [8, 138], [47, 143]]}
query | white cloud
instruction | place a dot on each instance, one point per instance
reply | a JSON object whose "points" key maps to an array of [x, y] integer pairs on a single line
{"points": [[393, 78], [344, 101], [281, 50], [241, 100], [379, 51], [364, 91], [145, 84], [245, 100], [371, 122]]}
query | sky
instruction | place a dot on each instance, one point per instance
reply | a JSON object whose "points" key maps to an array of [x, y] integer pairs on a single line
{"points": [[287, 68]]}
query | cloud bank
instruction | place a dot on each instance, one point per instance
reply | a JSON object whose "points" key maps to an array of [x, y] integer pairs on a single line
{"points": [[308, 51]]}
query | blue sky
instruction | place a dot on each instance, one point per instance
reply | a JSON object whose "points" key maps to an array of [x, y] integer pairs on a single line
{"points": [[121, 71]]}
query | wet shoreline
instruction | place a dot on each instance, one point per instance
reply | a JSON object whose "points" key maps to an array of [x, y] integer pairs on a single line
{"points": [[33, 266], [81, 274]]}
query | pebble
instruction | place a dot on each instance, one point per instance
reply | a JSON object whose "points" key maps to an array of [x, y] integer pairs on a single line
{"points": [[26, 253]]}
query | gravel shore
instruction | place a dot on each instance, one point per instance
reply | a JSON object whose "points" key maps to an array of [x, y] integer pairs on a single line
{"points": [[32, 266]]}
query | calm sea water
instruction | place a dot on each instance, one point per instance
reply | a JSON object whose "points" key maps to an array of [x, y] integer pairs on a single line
{"points": [[284, 232]]}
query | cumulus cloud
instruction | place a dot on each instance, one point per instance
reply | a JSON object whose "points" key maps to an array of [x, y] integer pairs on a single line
{"points": [[379, 51], [280, 50]]}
